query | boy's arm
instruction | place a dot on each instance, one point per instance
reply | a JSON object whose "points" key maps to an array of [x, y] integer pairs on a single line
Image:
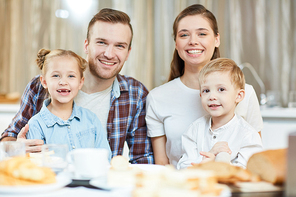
{"points": [[251, 144], [190, 152]]}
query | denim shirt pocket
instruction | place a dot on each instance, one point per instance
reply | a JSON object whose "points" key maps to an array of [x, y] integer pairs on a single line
{"points": [[87, 138]]}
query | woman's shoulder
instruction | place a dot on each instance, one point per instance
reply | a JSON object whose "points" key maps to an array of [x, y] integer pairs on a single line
{"points": [[166, 88], [249, 89], [244, 124]]}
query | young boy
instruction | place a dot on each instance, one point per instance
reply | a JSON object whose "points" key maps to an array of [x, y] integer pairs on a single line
{"points": [[221, 89], [60, 120]]}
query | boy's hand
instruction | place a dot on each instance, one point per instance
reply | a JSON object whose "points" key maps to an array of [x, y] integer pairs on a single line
{"points": [[207, 156], [220, 147]]}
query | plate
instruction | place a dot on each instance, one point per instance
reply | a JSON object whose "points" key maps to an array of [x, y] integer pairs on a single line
{"points": [[102, 184], [149, 167], [62, 180]]}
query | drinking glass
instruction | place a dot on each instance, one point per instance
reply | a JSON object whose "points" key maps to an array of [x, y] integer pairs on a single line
{"points": [[292, 99], [273, 98], [54, 156], [11, 149]]}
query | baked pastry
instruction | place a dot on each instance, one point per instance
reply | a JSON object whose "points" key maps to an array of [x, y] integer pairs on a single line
{"points": [[227, 173], [22, 171], [270, 165]]}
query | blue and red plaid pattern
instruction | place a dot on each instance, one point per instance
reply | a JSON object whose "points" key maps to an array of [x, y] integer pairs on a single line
{"points": [[126, 119]]}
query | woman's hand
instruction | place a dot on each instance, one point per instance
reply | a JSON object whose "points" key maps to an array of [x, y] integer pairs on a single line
{"points": [[220, 147]]}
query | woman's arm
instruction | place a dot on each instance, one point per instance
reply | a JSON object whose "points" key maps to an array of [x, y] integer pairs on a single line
{"points": [[159, 149]]}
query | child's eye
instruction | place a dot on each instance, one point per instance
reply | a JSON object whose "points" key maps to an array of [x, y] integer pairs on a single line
{"points": [[221, 89], [71, 76], [206, 91], [55, 75], [202, 34]]}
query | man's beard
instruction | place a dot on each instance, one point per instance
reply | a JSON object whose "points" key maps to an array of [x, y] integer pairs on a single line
{"points": [[95, 72]]}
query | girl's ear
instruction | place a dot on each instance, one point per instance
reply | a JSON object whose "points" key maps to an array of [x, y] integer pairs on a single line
{"points": [[43, 81], [81, 83], [240, 95]]}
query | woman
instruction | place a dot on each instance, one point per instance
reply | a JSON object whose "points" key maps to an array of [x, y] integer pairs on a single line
{"points": [[172, 107]]}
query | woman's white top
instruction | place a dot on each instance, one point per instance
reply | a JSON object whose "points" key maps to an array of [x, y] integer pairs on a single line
{"points": [[243, 140], [172, 107]]}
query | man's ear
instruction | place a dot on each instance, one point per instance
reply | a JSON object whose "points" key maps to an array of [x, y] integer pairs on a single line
{"points": [[240, 95], [43, 81], [85, 46]]}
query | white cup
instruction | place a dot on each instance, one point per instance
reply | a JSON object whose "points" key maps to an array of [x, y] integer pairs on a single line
{"points": [[54, 156], [89, 163], [10, 149]]}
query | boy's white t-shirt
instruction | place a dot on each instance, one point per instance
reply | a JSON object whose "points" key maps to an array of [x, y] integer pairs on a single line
{"points": [[172, 107], [98, 103], [243, 140]]}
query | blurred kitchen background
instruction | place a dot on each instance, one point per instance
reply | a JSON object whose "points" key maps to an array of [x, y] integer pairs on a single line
{"points": [[260, 35]]}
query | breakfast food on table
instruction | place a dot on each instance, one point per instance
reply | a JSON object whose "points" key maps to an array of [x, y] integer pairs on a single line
{"points": [[227, 173], [120, 173], [172, 182], [165, 182], [270, 165], [22, 171]]}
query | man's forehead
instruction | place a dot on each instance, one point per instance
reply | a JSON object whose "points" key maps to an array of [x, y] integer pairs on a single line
{"points": [[106, 30]]}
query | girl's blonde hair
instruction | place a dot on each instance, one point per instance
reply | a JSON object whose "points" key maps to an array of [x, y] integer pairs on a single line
{"points": [[223, 65], [44, 56]]}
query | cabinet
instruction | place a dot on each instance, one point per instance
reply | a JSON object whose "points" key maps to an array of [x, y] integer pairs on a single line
{"points": [[278, 123]]}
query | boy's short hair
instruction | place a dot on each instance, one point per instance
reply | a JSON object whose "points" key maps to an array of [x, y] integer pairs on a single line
{"points": [[223, 65]]}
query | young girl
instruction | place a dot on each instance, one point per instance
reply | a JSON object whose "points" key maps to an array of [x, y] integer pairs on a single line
{"points": [[60, 121]]}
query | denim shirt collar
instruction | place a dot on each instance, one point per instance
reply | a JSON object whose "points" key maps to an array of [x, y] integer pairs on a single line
{"points": [[51, 119]]}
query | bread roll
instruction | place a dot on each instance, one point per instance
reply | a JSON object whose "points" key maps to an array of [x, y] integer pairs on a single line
{"points": [[226, 173], [22, 171], [270, 165]]}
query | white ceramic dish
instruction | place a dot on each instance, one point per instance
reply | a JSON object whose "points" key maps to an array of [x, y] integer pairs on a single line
{"points": [[148, 167], [62, 181]]}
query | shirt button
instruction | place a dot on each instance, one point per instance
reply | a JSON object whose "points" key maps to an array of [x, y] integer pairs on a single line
{"points": [[214, 137], [73, 147], [68, 127]]}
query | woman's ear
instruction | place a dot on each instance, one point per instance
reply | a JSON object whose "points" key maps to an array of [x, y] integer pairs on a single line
{"points": [[240, 95], [43, 81]]}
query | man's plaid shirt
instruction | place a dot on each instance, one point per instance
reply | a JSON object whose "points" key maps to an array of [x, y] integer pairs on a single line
{"points": [[126, 119]]}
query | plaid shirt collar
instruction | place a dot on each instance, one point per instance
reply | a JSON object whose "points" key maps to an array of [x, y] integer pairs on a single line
{"points": [[119, 85]]}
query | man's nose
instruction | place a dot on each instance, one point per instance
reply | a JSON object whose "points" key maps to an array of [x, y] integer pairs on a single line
{"points": [[109, 52]]}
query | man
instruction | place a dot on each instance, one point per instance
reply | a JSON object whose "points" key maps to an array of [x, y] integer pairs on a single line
{"points": [[118, 101]]}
